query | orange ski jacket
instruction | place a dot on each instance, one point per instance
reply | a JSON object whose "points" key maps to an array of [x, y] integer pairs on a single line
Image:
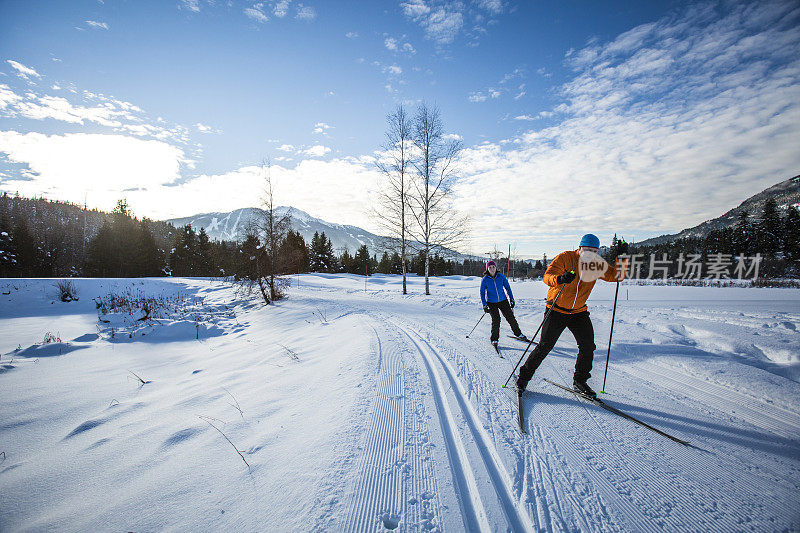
{"points": [[568, 303]]}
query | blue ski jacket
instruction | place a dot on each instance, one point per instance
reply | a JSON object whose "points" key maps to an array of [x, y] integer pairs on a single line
{"points": [[492, 289]]}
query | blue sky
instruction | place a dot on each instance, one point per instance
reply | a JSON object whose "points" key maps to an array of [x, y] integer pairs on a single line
{"points": [[638, 118]]}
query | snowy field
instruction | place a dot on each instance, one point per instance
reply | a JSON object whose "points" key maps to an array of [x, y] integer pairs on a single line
{"points": [[366, 410]]}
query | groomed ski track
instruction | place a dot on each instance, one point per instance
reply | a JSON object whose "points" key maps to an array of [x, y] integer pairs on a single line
{"points": [[443, 451]]}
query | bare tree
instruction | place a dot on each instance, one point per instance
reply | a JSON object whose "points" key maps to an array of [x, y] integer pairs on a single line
{"points": [[264, 265], [437, 224], [274, 228], [392, 206]]}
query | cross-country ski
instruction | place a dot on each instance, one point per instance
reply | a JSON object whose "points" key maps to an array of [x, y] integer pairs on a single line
{"points": [[595, 400]]}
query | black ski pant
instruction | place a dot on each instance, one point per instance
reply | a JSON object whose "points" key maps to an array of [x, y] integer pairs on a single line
{"points": [[581, 327], [494, 310]]}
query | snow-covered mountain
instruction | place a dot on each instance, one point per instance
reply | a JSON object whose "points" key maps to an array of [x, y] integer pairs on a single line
{"points": [[232, 226], [786, 194]]}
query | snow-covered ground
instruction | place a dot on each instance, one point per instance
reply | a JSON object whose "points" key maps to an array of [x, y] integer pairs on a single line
{"points": [[366, 410]]}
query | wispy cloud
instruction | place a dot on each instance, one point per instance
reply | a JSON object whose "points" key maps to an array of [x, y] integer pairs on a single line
{"points": [[351, 35], [392, 70], [321, 127], [23, 71], [443, 20], [501, 87], [281, 8], [87, 108], [286, 148], [256, 13], [97, 25], [305, 13], [399, 45], [665, 126], [191, 5]]}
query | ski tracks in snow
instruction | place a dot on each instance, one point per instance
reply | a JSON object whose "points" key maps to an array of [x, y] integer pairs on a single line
{"points": [[396, 486]]}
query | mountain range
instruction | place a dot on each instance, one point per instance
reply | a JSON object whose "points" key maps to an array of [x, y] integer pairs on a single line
{"points": [[232, 226], [786, 194]]}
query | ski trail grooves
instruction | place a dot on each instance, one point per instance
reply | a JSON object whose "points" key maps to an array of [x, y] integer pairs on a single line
{"points": [[473, 513], [517, 518], [396, 484]]}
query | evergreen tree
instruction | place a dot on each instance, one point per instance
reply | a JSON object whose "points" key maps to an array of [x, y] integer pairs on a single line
{"points": [[397, 264], [183, 258], [346, 262], [295, 253], [203, 260], [8, 258], [742, 234], [102, 257], [769, 229], [385, 264], [148, 258], [250, 253], [791, 234], [327, 257], [361, 261]]}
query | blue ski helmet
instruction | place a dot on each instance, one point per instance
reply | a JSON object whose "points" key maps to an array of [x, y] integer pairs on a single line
{"points": [[590, 241]]}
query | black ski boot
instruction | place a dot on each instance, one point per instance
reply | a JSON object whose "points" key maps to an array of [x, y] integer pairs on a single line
{"points": [[583, 388], [522, 337]]}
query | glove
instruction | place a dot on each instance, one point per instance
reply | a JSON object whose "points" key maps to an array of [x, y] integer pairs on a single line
{"points": [[486, 309], [566, 277], [512, 304]]}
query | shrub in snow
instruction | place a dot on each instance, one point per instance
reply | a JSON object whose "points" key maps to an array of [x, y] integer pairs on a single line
{"points": [[67, 292]]}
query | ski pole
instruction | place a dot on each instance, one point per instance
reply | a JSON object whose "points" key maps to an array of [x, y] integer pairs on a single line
{"points": [[476, 325], [608, 354], [546, 315]]}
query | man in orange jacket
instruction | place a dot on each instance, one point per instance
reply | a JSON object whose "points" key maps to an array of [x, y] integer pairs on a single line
{"points": [[570, 310]]}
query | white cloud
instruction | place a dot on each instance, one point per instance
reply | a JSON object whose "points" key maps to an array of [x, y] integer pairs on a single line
{"points": [[68, 166], [322, 188], [97, 25], [321, 127], [256, 12], [281, 8], [391, 43], [22, 70], [443, 20], [415, 9], [668, 125], [524, 117], [316, 151], [191, 5], [202, 128], [7, 96], [351, 35], [286, 148], [305, 13], [392, 70], [118, 115]]}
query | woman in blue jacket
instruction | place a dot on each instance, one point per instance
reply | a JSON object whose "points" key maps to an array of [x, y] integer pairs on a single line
{"points": [[494, 287]]}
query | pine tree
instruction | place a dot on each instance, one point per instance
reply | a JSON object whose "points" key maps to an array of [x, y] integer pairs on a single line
{"points": [[791, 234], [102, 257], [203, 259], [769, 229], [327, 257], [183, 258], [742, 234], [361, 261], [295, 253], [148, 258]]}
